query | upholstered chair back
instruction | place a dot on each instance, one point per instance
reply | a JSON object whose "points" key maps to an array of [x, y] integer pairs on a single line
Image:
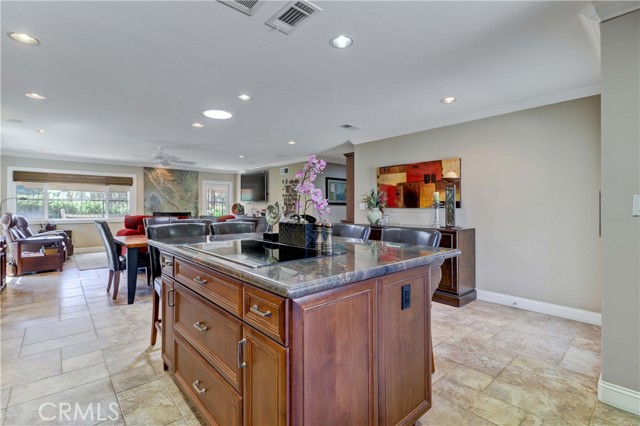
{"points": [[351, 231], [421, 237], [221, 228]]}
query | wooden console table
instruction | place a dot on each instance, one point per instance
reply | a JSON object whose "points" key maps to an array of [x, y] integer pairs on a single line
{"points": [[458, 284]]}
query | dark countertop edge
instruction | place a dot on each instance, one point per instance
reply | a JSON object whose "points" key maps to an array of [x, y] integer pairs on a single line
{"points": [[243, 273]]}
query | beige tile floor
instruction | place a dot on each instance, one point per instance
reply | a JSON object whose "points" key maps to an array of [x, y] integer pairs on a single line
{"points": [[66, 345]]}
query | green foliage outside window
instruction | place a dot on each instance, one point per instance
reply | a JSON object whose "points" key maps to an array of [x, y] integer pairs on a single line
{"points": [[67, 204]]}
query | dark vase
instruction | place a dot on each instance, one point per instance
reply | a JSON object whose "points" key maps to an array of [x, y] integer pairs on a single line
{"points": [[298, 234]]}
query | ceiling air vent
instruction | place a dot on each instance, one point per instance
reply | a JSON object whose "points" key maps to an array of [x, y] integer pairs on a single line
{"points": [[248, 7], [350, 127], [292, 16]]}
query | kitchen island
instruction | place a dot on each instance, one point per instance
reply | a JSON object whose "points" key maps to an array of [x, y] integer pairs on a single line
{"points": [[252, 337]]}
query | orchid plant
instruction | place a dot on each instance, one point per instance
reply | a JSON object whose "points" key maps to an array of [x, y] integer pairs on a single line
{"points": [[308, 194]]}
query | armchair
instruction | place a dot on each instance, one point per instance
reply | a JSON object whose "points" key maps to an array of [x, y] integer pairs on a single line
{"points": [[26, 248], [134, 225]]}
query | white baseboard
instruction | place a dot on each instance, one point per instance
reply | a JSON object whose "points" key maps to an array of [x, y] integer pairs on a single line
{"points": [[541, 307], [96, 249], [619, 397]]}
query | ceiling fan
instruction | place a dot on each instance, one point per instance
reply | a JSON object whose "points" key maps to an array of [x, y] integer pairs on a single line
{"points": [[165, 159]]}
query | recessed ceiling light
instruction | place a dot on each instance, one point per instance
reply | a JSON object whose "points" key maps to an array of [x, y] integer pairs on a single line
{"points": [[24, 39], [217, 114], [291, 142], [341, 42], [448, 100], [197, 125], [240, 156], [244, 97], [40, 130], [35, 96]]}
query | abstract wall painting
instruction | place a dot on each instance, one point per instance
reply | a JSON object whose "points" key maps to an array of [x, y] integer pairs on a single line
{"points": [[413, 185]]}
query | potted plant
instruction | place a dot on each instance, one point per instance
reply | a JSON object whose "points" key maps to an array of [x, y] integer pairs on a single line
{"points": [[298, 229], [375, 201]]}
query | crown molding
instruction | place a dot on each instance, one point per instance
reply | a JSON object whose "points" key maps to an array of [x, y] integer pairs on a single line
{"points": [[608, 10]]}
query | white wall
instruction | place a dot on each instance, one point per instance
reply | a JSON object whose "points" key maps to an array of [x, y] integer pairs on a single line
{"points": [[530, 184], [620, 230], [338, 212]]}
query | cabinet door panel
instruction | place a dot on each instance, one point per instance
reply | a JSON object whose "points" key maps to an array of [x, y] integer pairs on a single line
{"points": [[333, 357], [449, 279], [405, 344], [265, 380]]}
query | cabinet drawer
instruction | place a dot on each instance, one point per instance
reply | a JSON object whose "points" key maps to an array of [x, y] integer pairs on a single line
{"points": [[215, 399], [266, 312], [166, 263], [211, 331], [220, 289]]}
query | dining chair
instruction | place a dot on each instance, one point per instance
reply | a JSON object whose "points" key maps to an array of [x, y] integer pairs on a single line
{"points": [[221, 228], [350, 230], [416, 237], [206, 222], [117, 262], [158, 232], [156, 220]]}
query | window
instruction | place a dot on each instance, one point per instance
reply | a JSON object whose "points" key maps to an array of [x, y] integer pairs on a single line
{"points": [[36, 199], [217, 197]]}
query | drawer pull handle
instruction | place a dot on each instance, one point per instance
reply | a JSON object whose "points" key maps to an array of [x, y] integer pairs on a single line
{"points": [[167, 263], [257, 311], [200, 280], [171, 298], [200, 327], [241, 363], [196, 386]]}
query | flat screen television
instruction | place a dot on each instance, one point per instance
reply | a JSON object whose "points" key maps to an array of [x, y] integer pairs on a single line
{"points": [[253, 186]]}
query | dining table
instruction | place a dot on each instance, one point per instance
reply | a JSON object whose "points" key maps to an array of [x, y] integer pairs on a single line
{"points": [[133, 243]]}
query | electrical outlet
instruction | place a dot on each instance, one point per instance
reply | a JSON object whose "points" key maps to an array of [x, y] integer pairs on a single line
{"points": [[636, 205], [362, 206]]}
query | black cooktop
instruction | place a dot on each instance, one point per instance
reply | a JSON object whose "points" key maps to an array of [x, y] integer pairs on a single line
{"points": [[258, 253]]}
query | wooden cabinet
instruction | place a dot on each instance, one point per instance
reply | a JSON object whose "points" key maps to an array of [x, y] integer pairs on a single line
{"points": [[334, 357], [405, 383], [458, 284], [265, 379], [355, 355]]}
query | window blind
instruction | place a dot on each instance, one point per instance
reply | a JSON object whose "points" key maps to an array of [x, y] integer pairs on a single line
{"points": [[22, 176]]}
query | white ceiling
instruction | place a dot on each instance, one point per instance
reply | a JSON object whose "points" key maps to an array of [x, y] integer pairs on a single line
{"points": [[122, 78]]}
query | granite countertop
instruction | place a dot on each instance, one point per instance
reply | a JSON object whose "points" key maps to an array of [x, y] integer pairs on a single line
{"points": [[363, 259]]}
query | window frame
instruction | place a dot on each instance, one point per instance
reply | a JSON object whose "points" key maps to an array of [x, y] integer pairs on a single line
{"points": [[203, 194], [10, 205]]}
